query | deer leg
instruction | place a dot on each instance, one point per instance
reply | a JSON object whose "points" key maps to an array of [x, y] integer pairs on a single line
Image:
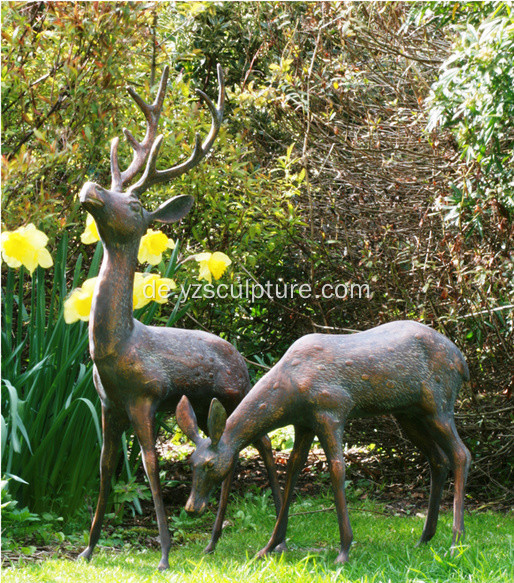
{"points": [[445, 433], [302, 443], [331, 438], [222, 507], [112, 429], [263, 446], [439, 466], [143, 419]]}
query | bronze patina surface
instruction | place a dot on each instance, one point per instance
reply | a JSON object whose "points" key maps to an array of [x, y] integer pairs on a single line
{"points": [[139, 370], [402, 368]]}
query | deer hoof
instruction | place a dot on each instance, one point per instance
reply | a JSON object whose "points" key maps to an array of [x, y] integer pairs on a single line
{"points": [[210, 548], [85, 555], [280, 548], [342, 558], [263, 553], [422, 542], [163, 565]]}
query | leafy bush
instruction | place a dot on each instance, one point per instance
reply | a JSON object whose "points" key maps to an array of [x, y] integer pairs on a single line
{"points": [[61, 72], [20, 525], [474, 97]]}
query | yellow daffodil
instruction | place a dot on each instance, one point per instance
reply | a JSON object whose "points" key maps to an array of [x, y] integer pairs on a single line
{"points": [[153, 245], [26, 246], [78, 304], [90, 234], [212, 264], [150, 287], [141, 280], [163, 286]]}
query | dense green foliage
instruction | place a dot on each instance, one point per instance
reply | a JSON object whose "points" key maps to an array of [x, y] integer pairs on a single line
{"points": [[366, 143], [474, 96], [63, 68]]}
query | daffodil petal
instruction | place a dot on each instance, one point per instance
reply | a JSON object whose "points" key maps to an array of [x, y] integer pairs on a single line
{"points": [[143, 291], [70, 313], [83, 303], [89, 285], [152, 246], [205, 272], [162, 287], [11, 261], [142, 254], [154, 259], [90, 234], [202, 257], [25, 246], [169, 282], [34, 237], [44, 258], [29, 259], [218, 263], [78, 304]]}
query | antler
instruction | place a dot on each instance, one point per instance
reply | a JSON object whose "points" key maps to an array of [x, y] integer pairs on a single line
{"points": [[149, 147], [152, 113]]}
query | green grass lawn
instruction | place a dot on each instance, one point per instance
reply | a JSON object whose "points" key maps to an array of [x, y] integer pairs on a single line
{"points": [[383, 551]]}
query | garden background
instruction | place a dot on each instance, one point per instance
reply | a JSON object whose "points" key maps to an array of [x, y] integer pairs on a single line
{"points": [[363, 142]]}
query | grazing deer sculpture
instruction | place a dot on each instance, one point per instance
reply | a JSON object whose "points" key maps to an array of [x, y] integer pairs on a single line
{"points": [[140, 370], [402, 368]]}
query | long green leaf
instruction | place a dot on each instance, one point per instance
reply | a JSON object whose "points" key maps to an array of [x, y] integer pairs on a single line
{"points": [[94, 416], [16, 420]]}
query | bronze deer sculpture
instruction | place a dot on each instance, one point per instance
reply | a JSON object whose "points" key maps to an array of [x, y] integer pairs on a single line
{"points": [[402, 368], [140, 370]]}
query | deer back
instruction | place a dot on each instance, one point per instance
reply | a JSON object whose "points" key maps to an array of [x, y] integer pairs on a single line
{"points": [[389, 368]]}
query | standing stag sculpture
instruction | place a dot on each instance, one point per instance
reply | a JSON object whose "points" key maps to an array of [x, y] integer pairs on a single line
{"points": [[401, 368], [140, 370]]}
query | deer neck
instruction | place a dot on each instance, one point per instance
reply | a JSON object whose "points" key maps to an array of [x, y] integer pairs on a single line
{"points": [[112, 319], [258, 413]]}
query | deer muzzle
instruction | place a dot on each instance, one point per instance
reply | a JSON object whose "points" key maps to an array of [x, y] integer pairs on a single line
{"points": [[90, 197], [195, 507]]}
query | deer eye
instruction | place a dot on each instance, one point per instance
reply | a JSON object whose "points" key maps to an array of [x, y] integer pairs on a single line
{"points": [[210, 464], [135, 206]]}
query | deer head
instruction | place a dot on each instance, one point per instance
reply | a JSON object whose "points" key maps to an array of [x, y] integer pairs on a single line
{"points": [[118, 212], [211, 462]]}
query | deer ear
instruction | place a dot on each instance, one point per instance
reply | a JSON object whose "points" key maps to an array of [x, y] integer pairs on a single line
{"points": [[186, 420], [216, 421], [172, 210]]}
